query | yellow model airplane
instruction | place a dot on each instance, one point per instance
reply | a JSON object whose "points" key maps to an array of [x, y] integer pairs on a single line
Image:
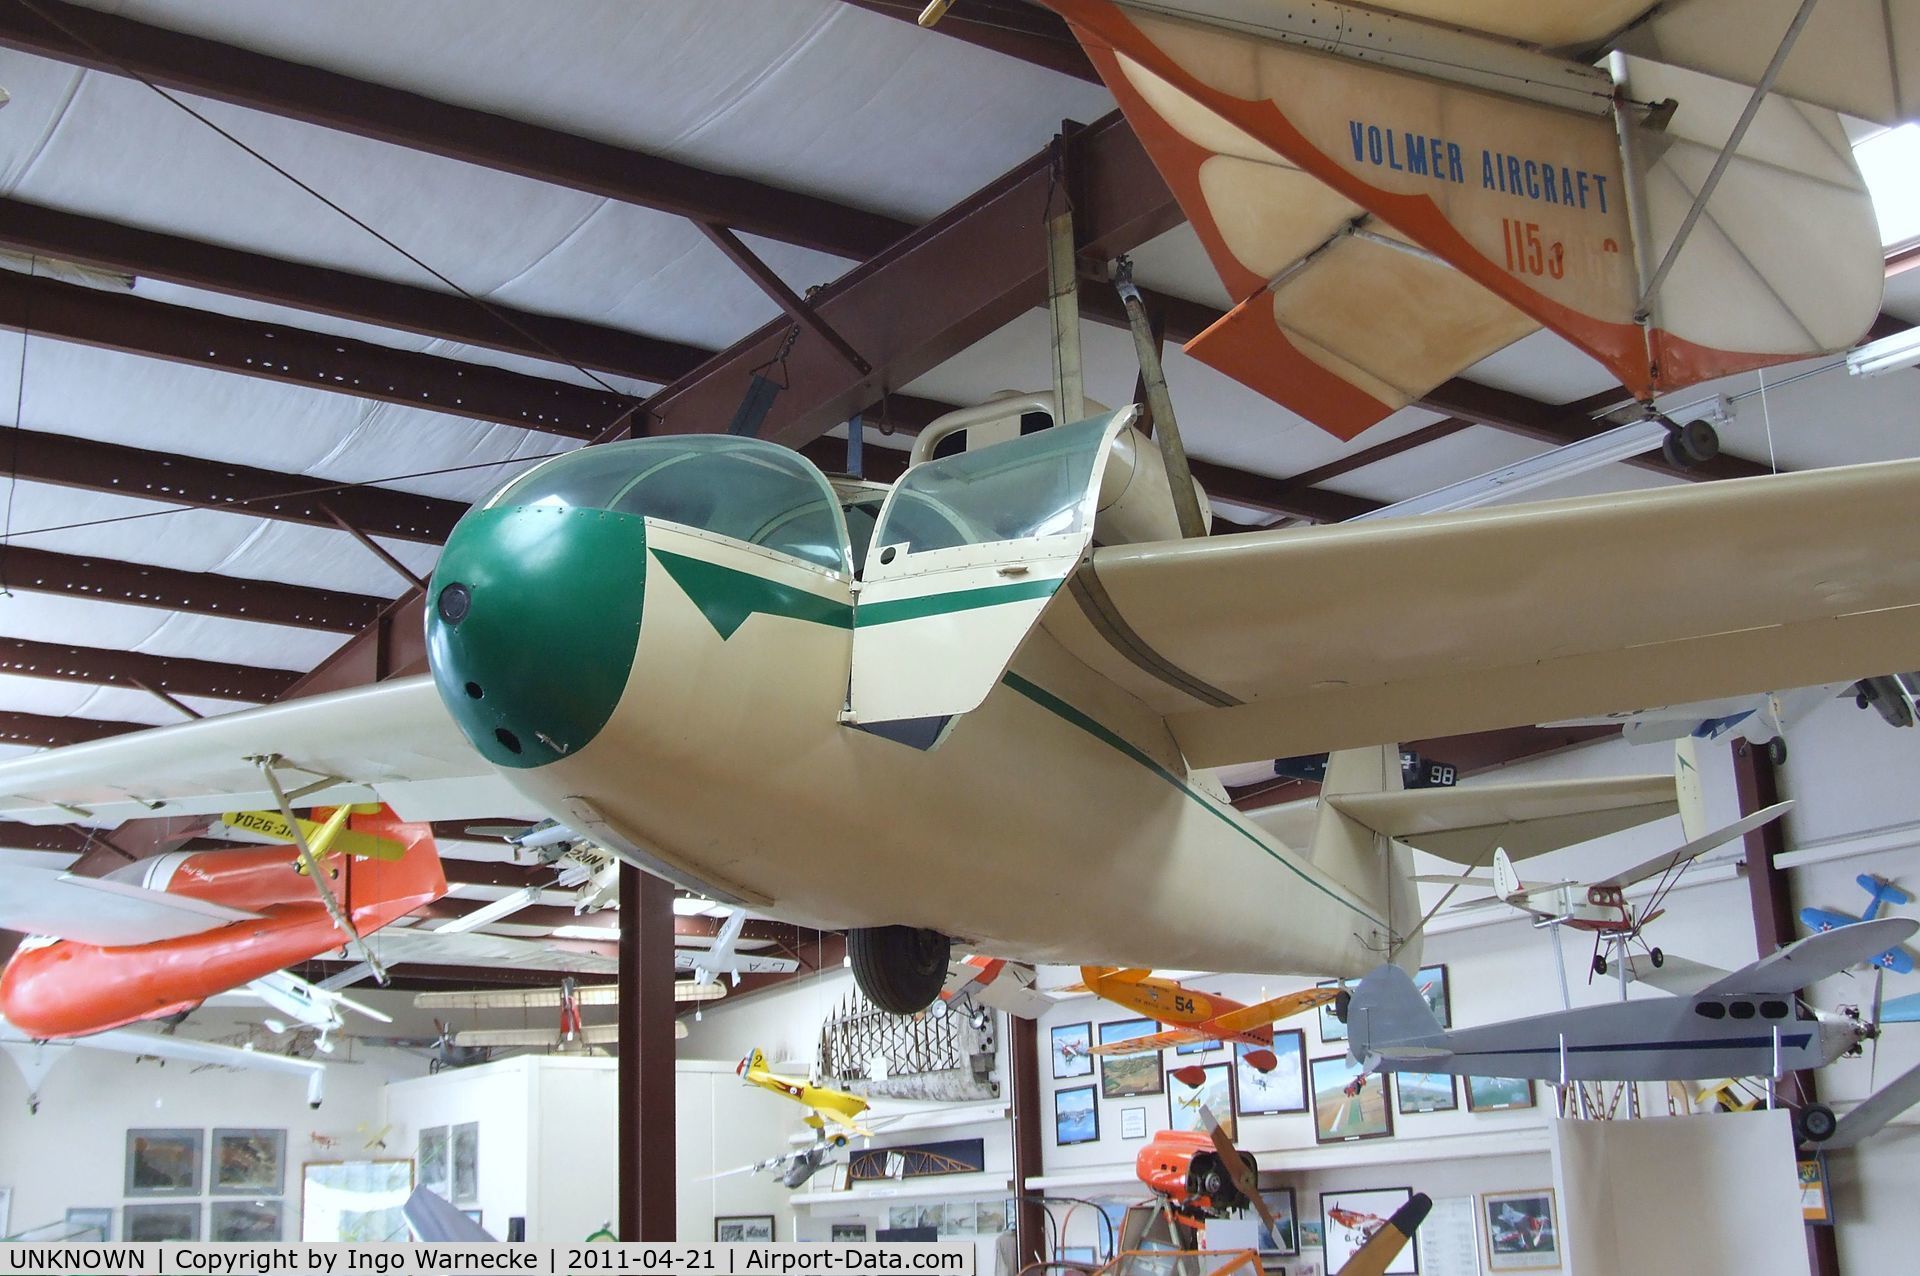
{"points": [[826, 1105], [1194, 1015]]}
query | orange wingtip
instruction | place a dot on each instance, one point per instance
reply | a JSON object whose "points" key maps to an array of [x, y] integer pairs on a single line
{"points": [[1249, 346]]}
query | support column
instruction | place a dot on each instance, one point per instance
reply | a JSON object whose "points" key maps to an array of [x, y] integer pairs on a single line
{"points": [[1759, 787], [1023, 1063], [646, 1075]]}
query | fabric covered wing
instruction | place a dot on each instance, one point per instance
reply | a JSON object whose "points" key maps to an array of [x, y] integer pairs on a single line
{"points": [[1807, 961], [1272, 644], [1465, 824], [403, 946], [1274, 1009], [92, 910], [1859, 57], [391, 742]]}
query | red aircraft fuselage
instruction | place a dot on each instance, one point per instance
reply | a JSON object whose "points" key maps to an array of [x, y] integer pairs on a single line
{"points": [[64, 988]]}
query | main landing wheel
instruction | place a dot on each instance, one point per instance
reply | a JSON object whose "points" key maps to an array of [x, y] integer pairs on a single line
{"points": [[1342, 1001], [901, 969], [1814, 1123], [1599, 965], [1658, 958], [1777, 751]]}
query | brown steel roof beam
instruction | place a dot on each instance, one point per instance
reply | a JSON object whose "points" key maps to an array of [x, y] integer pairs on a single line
{"points": [[175, 675], [775, 287], [201, 593], [43, 731], [66, 461], [277, 352], [48, 232], [259, 82]]}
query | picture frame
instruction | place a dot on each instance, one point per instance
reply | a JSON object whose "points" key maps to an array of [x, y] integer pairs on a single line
{"points": [[85, 1225], [1331, 1029], [850, 1233], [248, 1162], [990, 1218], [743, 1229], [1133, 1123], [1522, 1230], [1214, 1092], [1127, 1076], [1499, 1094], [465, 1163], [357, 1202], [1072, 1051], [433, 1159], [476, 1217], [1349, 1103], [164, 1163], [1349, 1218], [1816, 1204], [168, 1221], [958, 1219], [1423, 1092], [255, 1221], [1076, 1116], [1284, 1088], [1287, 1240], [1435, 985]]}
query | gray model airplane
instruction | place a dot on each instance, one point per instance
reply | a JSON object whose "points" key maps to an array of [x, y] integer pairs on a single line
{"points": [[1748, 1024]]}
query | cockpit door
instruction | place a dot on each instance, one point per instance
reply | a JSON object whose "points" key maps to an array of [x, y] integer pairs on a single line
{"points": [[967, 553]]}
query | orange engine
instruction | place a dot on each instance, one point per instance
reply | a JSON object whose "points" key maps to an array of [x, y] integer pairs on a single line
{"points": [[1184, 1167]]}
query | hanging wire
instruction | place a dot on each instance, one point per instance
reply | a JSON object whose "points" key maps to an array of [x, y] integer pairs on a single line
{"points": [[19, 399]]}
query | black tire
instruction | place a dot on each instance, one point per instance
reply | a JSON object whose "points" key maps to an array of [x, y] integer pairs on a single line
{"points": [[901, 969], [1777, 751], [1658, 958], [1814, 1123], [1692, 444], [1599, 965], [1342, 1000]]}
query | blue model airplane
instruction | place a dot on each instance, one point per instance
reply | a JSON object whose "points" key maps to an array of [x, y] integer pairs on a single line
{"points": [[1898, 959]]}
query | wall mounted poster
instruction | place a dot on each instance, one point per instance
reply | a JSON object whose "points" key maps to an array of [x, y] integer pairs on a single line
{"points": [[1498, 1094], [433, 1156], [1076, 1117], [253, 1221], [1450, 1238], [1072, 1051], [1424, 1092], [744, 1228], [1133, 1123], [1522, 1234], [1432, 983], [164, 1163], [1215, 1093], [1123, 1076], [249, 1163], [466, 1162], [1349, 1219], [175, 1221], [1283, 1088], [1284, 1237], [1349, 1104]]}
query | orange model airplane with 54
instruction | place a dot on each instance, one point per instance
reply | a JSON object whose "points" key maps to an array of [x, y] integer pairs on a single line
{"points": [[1195, 1016]]}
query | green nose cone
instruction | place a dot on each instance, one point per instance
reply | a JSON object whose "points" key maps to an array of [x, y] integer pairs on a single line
{"points": [[533, 617]]}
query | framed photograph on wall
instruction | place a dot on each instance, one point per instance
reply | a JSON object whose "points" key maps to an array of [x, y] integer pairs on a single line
{"points": [[1126, 1076], [434, 1153], [1432, 983], [1076, 1116], [174, 1221], [1349, 1104], [1331, 1029], [1281, 1088], [850, 1233], [1072, 1051], [1498, 1094], [1133, 1123], [165, 1163], [1284, 1237], [84, 1225], [1522, 1233], [1348, 1219], [749, 1229], [1215, 1093], [1416, 1092], [249, 1163], [466, 1163], [255, 1221]]}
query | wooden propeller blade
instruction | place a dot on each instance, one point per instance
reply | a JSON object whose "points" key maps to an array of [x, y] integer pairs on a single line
{"points": [[1238, 1170], [1373, 1258]]}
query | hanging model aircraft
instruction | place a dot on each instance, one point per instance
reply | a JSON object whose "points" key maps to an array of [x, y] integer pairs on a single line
{"points": [[569, 1035], [1189, 1016], [1393, 192], [1748, 1024], [1760, 720], [995, 983], [824, 1106], [1602, 908], [37, 1057], [1880, 892], [162, 935], [1013, 703]]}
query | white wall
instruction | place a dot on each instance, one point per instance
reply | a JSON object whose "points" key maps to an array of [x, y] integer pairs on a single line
{"points": [[72, 1154]]}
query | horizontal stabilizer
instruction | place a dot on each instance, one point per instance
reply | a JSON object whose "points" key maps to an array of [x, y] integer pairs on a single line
{"points": [[1809, 960], [97, 910], [1467, 823], [1879, 1108]]}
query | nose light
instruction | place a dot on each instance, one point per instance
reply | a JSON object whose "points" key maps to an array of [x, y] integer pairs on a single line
{"points": [[455, 602]]}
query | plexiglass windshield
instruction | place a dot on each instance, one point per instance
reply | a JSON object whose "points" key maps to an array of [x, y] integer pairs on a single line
{"points": [[1028, 487], [747, 489]]}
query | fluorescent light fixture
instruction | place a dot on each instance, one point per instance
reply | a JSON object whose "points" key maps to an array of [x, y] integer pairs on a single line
{"points": [[1901, 350], [1617, 444], [491, 913], [587, 932], [689, 906], [1890, 163]]}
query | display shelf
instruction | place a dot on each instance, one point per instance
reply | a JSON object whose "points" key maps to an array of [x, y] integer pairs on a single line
{"points": [[986, 1183], [940, 1118], [1395, 1151]]}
